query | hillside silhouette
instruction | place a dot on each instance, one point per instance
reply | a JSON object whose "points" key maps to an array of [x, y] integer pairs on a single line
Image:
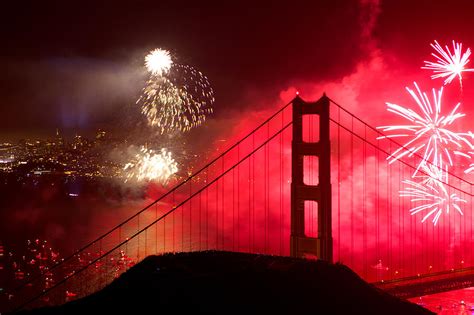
{"points": [[214, 282]]}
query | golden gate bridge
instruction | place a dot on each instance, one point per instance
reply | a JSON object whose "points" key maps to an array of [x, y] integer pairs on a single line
{"points": [[312, 180]]}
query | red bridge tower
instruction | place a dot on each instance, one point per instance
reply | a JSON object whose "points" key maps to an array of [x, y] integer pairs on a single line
{"points": [[300, 192]]}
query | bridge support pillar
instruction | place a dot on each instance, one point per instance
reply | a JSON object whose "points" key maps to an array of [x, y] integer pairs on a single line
{"points": [[301, 244]]}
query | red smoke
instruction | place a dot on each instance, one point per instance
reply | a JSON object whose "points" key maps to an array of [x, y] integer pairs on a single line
{"points": [[248, 209]]}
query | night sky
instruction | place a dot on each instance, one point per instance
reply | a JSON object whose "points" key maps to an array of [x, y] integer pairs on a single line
{"points": [[78, 65]]}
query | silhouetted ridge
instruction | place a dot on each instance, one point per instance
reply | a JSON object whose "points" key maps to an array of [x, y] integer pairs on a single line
{"points": [[215, 282]]}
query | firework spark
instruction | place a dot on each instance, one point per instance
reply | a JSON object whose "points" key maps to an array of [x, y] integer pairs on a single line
{"points": [[448, 64], [158, 62], [178, 100], [429, 131], [471, 153], [151, 166], [433, 193]]}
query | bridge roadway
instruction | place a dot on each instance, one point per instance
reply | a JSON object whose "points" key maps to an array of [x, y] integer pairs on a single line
{"points": [[438, 282]]}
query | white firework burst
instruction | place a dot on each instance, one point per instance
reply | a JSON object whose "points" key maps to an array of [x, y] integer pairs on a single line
{"points": [[149, 165], [176, 97], [432, 192], [448, 64], [158, 62], [429, 131]]}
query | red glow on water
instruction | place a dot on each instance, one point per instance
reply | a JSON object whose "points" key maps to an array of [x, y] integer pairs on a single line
{"points": [[455, 302]]}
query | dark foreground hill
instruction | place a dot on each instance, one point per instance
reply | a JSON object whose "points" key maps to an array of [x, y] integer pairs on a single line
{"points": [[233, 283]]}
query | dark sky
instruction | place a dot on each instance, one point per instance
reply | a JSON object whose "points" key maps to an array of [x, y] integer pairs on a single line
{"points": [[77, 64]]}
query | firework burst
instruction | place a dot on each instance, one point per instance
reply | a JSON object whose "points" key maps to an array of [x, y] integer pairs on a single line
{"points": [[151, 166], [448, 64], [432, 192], [158, 62], [178, 99], [429, 131]]}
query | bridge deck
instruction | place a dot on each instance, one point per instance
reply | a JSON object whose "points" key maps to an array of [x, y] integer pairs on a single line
{"points": [[429, 284]]}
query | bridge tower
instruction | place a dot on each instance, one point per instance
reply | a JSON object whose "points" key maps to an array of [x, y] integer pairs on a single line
{"points": [[320, 193]]}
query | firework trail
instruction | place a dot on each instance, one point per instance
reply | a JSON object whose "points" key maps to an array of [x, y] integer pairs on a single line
{"points": [[471, 153], [469, 169], [448, 65], [151, 166], [176, 97], [431, 190], [428, 130]]}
